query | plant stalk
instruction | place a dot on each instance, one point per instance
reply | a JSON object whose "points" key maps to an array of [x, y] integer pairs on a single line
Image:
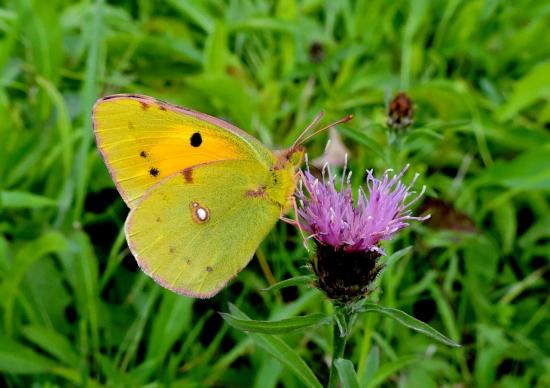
{"points": [[340, 336]]}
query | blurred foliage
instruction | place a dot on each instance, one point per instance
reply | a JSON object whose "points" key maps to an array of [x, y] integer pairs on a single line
{"points": [[75, 309]]}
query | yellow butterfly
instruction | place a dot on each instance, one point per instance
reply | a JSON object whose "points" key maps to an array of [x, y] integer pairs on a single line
{"points": [[202, 193]]}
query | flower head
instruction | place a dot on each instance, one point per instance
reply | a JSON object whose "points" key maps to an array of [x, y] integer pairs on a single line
{"points": [[348, 232], [333, 218]]}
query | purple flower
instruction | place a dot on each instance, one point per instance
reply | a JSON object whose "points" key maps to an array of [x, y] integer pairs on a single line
{"points": [[347, 232], [331, 216]]}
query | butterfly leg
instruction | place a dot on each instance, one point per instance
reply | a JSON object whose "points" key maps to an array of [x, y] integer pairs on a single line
{"points": [[289, 221], [296, 221]]}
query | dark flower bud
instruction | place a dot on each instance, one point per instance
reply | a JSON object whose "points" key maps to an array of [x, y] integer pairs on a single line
{"points": [[345, 276], [316, 52], [400, 112]]}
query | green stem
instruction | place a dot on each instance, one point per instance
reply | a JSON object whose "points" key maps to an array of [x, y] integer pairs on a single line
{"points": [[338, 347]]}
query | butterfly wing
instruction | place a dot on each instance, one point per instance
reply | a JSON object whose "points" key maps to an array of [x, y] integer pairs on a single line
{"points": [[144, 140], [196, 230]]}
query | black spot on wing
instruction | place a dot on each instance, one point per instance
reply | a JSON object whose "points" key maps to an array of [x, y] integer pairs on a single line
{"points": [[196, 139], [143, 154], [154, 171]]}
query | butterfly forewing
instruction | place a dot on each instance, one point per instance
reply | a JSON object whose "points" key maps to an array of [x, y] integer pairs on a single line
{"points": [[144, 140]]}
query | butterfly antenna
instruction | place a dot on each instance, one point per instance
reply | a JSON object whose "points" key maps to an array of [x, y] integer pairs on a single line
{"points": [[302, 140], [313, 123]]}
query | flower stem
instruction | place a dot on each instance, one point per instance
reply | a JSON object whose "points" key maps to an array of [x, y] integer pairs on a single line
{"points": [[340, 336]]}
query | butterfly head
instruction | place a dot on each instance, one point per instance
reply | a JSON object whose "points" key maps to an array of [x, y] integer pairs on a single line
{"points": [[290, 158], [288, 161]]}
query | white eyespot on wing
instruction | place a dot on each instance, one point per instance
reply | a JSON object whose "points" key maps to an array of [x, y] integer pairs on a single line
{"points": [[199, 213], [202, 214]]}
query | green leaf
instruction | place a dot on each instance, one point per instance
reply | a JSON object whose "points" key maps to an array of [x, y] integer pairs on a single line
{"points": [[539, 230], [63, 122], [529, 89], [406, 320], [16, 358], [295, 281], [263, 24], [445, 311], [347, 374], [372, 364], [195, 11], [82, 268], [282, 352], [24, 200], [48, 294], [53, 343], [172, 320], [363, 139], [389, 369], [282, 326], [47, 243], [215, 50], [529, 171], [268, 372], [394, 257]]}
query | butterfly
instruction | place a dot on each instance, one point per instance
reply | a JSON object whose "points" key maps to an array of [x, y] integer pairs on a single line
{"points": [[202, 193]]}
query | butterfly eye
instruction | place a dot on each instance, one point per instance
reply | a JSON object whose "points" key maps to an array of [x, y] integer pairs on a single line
{"points": [[200, 214]]}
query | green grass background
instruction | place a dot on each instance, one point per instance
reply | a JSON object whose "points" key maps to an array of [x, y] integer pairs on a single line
{"points": [[74, 308]]}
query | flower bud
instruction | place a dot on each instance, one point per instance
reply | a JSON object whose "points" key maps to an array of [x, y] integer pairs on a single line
{"points": [[400, 112]]}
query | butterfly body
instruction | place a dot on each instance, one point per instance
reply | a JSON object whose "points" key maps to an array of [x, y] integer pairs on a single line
{"points": [[202, 193]]}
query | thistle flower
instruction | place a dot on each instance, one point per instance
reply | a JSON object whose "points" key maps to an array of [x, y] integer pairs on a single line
{"points": [[348, 233]]}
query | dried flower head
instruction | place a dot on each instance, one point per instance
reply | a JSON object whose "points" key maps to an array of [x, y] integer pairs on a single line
{"points": [[347, 232]]}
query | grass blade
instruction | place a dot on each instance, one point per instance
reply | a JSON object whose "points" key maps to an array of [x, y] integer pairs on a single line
{"points": [[389, 369], [411, 322], [24, 200], [18, 359], [282, 326], [347, 374], [282, 352], [295, 281], [53, 343]]}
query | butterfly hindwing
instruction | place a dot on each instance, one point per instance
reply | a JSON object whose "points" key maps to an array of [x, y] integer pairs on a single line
{"points": [[143, 140], [197, 229]]}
